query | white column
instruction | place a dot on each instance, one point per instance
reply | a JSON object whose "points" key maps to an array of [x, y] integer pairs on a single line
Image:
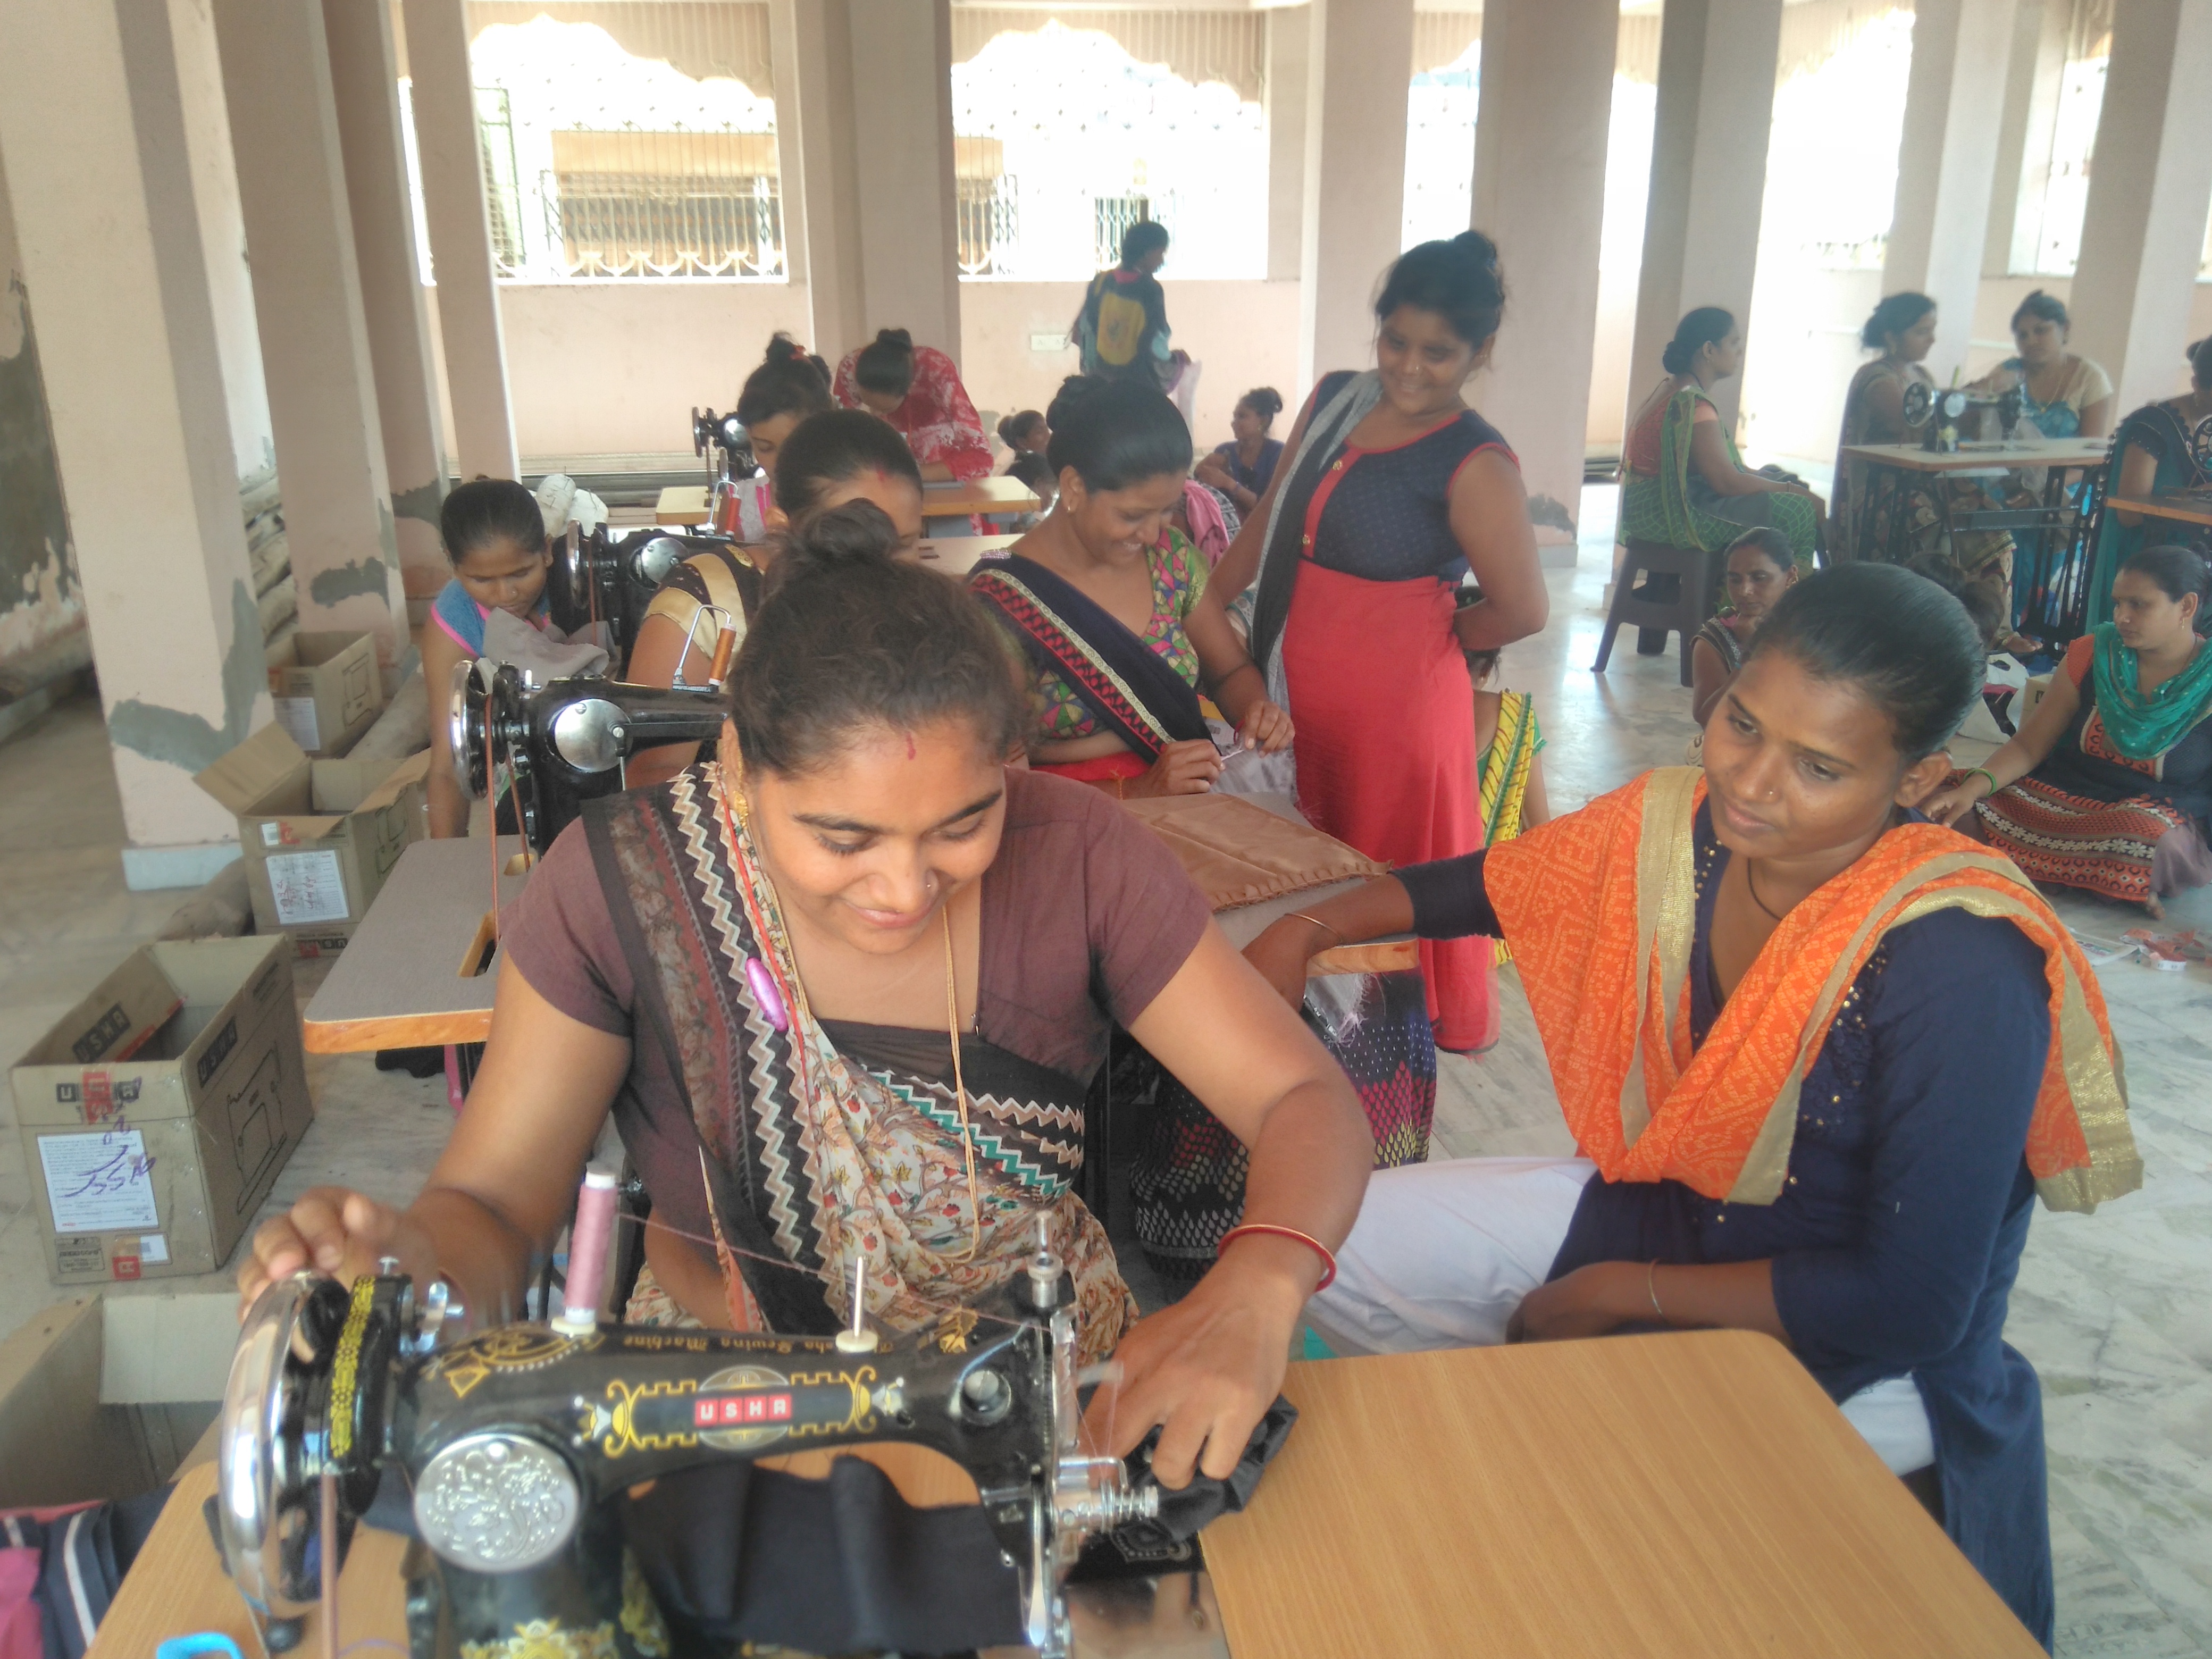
{"points": [[2142, 232], [903, 138], [783, 56], [1539, 152], [314, 341], [1359, 65], [1716, 63], [2033, 21], [460, 236], [93, 132], [1288, 34], [364, 72], [1946, 162]]}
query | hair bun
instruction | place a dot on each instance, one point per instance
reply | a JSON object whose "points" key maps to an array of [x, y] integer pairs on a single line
{"points": [[1484, 250], [855, 535], [897, 339]]}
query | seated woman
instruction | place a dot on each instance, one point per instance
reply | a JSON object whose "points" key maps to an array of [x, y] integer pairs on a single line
{"points": [[917, 389], [1871, 1045], [829, 459], [2150, 456], [1758, 570], [1242, 468], [495, 535], [2062, 396], [1902, 328], [1682, 483], [1104, 598], [794, 958], [2108, 784]]}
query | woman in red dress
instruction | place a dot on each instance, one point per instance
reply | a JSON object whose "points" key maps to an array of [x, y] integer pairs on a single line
{"points": [[1391, 491]]}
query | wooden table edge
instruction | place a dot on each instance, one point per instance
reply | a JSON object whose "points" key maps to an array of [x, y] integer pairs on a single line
{"points": [[356, 1037]]}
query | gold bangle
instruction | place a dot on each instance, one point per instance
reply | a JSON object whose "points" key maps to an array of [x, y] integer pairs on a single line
{"points": [[1302, 916]]}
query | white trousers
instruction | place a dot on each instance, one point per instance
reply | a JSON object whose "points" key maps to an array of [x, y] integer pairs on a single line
{"points": [[1443, 1253]]}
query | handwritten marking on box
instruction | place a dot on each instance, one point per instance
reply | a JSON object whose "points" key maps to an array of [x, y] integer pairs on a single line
{"points": [[99, 1183], [307, 886]]}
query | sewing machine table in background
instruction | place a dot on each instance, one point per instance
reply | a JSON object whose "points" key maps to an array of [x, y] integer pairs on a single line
{"points": [[1691, 1494], [955, 555], [403, 983], [2181, 507], [996, 496]]}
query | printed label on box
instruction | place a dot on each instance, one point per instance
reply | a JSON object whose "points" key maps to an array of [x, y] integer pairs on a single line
{"points": [[124, 1265], [153, 1250], [307, 887], [297, 716], [99, 1183], [79, 1256]]}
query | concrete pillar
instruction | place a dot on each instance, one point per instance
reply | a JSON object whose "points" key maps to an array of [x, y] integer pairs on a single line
{"points": [[1946, 162], [2142, 231], [1716, 63], [866, 112], [115, 274], [1285, 90], [1359, 63], [1539, 152], [314, 343], [364, 80], [2034, 61], [460, 236], [783, 57]]}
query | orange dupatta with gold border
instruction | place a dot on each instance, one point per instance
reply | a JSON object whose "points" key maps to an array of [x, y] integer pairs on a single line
{"points": [[1598, 905]]}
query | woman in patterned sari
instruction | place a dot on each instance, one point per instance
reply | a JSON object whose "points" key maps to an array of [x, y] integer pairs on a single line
{"points": [[1819, 1057], [2108, 784], [843, 990]]}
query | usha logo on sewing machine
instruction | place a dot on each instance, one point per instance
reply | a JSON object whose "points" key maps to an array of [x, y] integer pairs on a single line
{"points": [[740, 1411]]}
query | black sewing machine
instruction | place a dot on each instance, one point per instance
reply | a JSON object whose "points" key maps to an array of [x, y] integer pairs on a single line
{"points": [[612, 578], [559, 744], [1941, 415], [724, 436], [514, 1443]]}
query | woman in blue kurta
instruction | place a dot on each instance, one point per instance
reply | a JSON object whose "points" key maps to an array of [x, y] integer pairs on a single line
{"points": [[1871, 1046]]}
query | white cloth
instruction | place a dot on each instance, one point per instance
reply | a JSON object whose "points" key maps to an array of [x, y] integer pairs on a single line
{"points": [[1443, 1253]]}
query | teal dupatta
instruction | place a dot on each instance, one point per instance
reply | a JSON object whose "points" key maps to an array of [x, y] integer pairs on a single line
{"points": [[2144, 726]]}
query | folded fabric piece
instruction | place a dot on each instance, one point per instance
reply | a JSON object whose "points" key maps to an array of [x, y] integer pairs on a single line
{"points": [[60, 1568], [544, 654], [1239, 854]]}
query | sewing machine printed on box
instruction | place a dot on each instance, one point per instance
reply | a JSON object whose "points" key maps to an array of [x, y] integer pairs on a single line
{"points": [[327, 689], [318, 836], [156, 1114]]}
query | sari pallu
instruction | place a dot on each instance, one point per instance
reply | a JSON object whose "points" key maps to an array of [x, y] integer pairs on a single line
{"points": [[1678, 508], [832, 1143]]}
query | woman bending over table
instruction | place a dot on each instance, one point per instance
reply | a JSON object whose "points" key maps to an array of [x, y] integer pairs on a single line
{"points": [[830, 457], [1390, 490], [1871, 1045], [797, 957], [1682, 483], [2108, 784], [1103, 596], [917, 389]]}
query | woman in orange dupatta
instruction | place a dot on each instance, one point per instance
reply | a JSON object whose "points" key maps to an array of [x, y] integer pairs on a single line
{"points": [[1819, 1055]]}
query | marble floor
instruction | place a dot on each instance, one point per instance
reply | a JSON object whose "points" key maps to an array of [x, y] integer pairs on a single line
{"points": [[2112, 1309]]}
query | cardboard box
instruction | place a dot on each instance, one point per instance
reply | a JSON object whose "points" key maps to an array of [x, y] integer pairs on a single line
{"points": [[156, 1114], [318, 835], [327, 687]]}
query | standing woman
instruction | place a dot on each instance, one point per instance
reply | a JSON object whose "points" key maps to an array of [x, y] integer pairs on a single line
{"points": [[1394, 489], [1902, 330], [1682, 482], [1242, 468], [917, 389], [2108, 784]]}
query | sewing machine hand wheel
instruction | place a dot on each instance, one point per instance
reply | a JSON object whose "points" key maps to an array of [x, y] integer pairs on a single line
{"points": [[1919, 400], [487, 711], [703, 430], [2200, 449]]}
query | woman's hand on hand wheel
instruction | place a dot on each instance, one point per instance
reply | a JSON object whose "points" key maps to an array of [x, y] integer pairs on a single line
{"points": [[336, 1234], [1188, 767]]}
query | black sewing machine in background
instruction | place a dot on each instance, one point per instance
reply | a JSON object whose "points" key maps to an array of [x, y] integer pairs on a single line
{"points": [[516, 1445], [1941, 415], [561, 744], [601, 578], [722, 439]]}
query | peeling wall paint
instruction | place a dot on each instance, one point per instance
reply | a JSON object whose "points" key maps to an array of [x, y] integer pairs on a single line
{"points": [[189, 740], [422, 502], [39, 596], [352, 580]]}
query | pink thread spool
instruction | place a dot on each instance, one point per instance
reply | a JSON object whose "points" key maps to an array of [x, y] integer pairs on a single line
{"points": [[766, 994], [588, 1252]]}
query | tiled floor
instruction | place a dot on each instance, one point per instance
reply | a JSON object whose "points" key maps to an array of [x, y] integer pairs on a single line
{"points": [[2112, 1308]]}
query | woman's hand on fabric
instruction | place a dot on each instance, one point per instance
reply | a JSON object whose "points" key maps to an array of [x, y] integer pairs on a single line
{"points": [[1265, 726], [1189, 768], [1206, 1369], [1588, 1302], [1281, 953], [334, 1233]]}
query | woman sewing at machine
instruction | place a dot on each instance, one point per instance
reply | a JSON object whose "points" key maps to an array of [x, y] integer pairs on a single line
{"points": [[2150, 456], [843, 990], [2062, 395], [834, 456], [917, 389], [1871, 1046]]}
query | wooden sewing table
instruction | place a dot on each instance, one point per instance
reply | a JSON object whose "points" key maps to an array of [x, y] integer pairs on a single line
{"points": [[2180, 507], [955, 555], [1691, 1494]]}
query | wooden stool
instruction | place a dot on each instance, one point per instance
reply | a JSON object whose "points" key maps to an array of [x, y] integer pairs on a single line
{"points": [[1684, 615]]}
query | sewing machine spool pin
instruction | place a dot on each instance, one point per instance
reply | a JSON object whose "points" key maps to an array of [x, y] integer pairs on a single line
{"points": [[515, 1443]]}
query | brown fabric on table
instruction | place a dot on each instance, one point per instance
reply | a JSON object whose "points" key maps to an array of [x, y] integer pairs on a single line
{"points": [[1239, 854], [1086, 916]]}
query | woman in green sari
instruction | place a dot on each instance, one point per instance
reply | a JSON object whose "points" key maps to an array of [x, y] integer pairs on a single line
{"points": [[1683, 482]]}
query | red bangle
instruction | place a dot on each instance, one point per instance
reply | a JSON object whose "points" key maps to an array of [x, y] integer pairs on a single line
{"points": [[1328, 1259]]}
